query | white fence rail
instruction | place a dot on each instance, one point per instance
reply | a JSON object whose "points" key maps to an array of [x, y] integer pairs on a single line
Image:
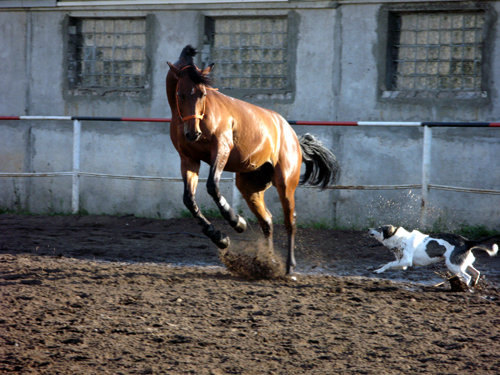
{"points": [[425, 186]]}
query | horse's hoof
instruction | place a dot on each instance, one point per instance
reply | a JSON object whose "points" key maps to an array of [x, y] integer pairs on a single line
{"points": [[220, 239], [223, 242], [241, 225], [217, 237]]}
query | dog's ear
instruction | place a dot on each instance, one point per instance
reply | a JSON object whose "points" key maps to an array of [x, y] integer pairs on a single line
{"points": [[388, 231]]}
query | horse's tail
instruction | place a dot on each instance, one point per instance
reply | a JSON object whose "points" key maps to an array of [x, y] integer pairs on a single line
{"points": [[322, 167]]}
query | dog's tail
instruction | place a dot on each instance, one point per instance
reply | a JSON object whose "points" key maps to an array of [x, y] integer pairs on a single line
{"points": [[480, 245], [491, 252]]}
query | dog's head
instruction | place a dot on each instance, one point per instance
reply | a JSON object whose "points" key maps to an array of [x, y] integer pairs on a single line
{"points": [[383, 233]]}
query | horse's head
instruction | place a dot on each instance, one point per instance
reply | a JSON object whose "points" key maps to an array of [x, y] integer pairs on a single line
{"points": [[191, 92]]}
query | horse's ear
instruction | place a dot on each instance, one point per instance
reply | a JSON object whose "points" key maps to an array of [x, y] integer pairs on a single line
{"points": [[208, 69], [173, 69]]}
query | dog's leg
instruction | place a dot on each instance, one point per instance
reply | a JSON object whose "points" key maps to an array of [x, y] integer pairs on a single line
{"points": [[465, 277], [397, 264], [458, 270], [476, 275]]}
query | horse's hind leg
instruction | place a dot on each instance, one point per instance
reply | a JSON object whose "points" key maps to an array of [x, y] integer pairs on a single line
{"points": [[190, 169], [286, 192], [252, 188]]}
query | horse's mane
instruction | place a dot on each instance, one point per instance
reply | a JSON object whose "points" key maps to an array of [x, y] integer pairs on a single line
{"points": [[186, 64], [196, 76], [186, 56]]}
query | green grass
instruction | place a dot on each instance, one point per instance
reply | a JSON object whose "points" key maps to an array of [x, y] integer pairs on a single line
{"points": [[315, 225], [325, 225], [472, 232], [82, 212], [469, 231], [209, 213], [476, 232]]}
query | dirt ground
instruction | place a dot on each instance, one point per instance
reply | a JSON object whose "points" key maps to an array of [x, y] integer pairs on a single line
{"points": [[123, 295]]}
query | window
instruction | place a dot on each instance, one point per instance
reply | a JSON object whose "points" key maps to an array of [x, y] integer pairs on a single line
{"points": [[107, 55], [251, 55], [436, 54]]}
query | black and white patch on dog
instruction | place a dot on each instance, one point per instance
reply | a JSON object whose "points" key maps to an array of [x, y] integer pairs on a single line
{"points": [[419, 249], [435, 250]]}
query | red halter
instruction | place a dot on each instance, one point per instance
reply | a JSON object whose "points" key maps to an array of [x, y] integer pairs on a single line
{"points": [[189, 117]]}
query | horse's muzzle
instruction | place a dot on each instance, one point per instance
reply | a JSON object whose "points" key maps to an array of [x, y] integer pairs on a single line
{"points": [[192, 136], [193, 132]]}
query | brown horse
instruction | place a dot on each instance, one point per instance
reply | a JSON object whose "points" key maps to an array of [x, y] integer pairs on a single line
{"points": [[231, 135]]}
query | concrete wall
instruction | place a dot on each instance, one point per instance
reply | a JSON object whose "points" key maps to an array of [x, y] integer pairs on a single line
{"points": [[339, 51]]}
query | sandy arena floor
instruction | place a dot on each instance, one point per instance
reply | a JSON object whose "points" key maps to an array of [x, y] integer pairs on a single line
{"points": [[122, 295]]}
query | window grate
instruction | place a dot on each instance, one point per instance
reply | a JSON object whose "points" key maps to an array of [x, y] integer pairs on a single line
{"points": [[436, 51], [107, 53], [250, 53]]}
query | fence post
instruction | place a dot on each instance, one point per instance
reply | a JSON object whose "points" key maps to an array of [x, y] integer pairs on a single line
{"points": [[75, 192], [426, 170]]}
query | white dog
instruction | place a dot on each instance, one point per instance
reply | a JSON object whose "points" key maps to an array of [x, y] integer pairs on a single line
{"points": [[418, 249]]}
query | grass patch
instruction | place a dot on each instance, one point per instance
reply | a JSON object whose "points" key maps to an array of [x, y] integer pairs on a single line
{"points": [[209, 213], [4, 211], [476, 232], [325, 225], [473, 232], [315, 225]]}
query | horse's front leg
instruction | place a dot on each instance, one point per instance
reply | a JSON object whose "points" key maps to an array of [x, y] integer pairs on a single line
{"points": [[190, 171], [236, 221]]}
